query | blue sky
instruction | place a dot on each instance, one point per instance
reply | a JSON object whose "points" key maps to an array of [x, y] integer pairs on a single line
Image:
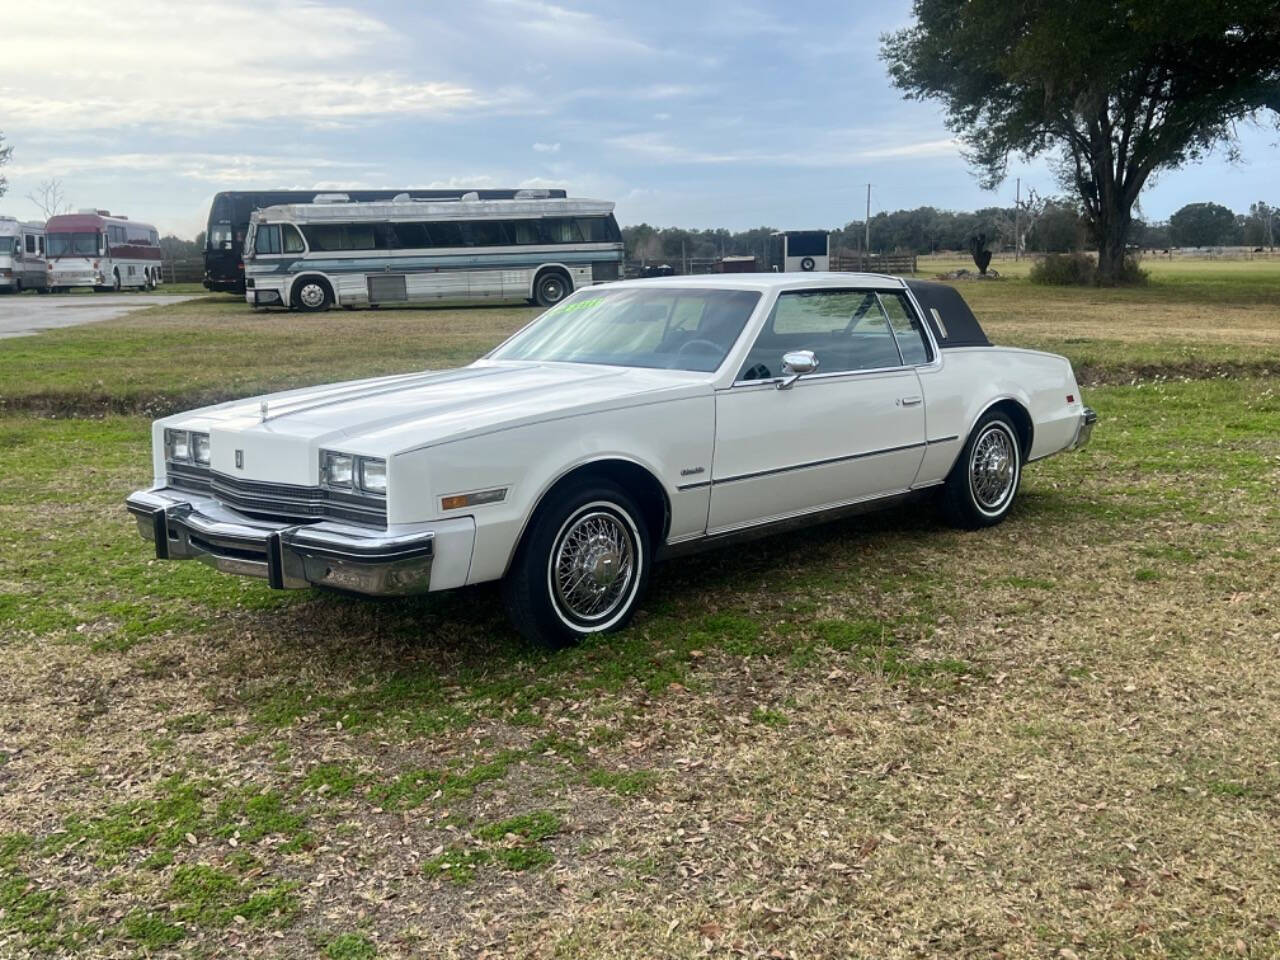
{"points": [[693, 114]]}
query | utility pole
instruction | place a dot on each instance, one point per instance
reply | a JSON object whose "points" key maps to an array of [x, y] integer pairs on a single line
{"points": [[866, 235], [1017, 221]]}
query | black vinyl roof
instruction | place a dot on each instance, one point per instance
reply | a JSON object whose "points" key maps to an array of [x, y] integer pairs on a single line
{"points": [[949, 317]]}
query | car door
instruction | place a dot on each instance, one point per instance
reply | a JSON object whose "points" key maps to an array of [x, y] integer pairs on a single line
{"points": [[852, 430]]}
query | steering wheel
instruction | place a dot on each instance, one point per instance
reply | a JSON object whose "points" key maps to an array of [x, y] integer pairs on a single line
{"points": [[706, 346]]}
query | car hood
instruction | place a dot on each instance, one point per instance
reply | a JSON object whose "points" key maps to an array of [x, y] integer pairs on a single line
{"points": [[387, 415]]}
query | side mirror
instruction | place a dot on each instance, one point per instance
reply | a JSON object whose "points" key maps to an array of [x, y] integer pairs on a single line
{"points": [[795, 365]]}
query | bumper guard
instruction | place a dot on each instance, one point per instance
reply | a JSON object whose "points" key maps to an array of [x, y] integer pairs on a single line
{"points": [[1085, 430], [288, 556]]}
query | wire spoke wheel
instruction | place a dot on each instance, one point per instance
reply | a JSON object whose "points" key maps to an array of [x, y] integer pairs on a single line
{"points": [[993, 467], [593, 566]]}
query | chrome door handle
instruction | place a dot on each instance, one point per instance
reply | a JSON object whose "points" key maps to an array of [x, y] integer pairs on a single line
{"points": [[911, 401]]}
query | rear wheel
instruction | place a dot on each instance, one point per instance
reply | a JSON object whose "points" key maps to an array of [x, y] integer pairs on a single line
{"points": [[312, 295], [115, 281], [984, 481], [552, 287], [582, 566]]}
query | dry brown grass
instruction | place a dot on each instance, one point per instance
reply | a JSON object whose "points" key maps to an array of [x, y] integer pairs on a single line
{"points": [[1056, 738]]}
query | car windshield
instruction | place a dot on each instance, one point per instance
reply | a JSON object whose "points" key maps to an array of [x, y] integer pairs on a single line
{"points": [[73, 244], [677, 329]]}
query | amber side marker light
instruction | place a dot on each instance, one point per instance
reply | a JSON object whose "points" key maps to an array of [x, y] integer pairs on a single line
{"points": [[458, 501]]}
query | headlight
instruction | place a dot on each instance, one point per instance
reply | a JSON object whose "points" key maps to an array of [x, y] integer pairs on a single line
{"points": [[373, 476], [336, 469], [349, 472], [177, 445], [200, 448]]}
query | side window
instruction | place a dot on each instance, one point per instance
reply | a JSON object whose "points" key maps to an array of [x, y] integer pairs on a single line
{"points": [[324, 237], [267, 239], [40, 244], [411, 236], [31, 244], [523, 231], [292, 239], [560, 230], [359, 236], [594, 229], [906, 328], [446, 233], [846, 330], [483, 233]]}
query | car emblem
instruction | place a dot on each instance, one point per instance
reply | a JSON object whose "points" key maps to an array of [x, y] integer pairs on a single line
{"points": [[239, 459]]}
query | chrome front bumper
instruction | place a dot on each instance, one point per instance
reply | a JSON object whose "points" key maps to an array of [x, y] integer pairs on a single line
{"points": [[1085, 429], [185, 525]]}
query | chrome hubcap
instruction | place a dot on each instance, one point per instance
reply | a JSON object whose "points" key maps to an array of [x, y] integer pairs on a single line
{"points": [[593, 566], [993, 468], [312, 295]]}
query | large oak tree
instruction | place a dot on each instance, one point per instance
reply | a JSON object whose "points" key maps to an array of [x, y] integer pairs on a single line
{"points": [[1118, 90]]}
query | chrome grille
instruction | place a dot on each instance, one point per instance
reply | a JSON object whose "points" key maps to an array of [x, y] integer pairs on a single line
{"points": [[279, 501]]}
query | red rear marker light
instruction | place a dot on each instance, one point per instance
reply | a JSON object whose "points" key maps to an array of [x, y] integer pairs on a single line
{"points": [[1071, 398]]}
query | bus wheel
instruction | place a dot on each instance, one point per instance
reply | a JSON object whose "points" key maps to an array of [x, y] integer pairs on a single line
{"points": [[552, 287], [149, 283], [312, 295], [115, 281]]}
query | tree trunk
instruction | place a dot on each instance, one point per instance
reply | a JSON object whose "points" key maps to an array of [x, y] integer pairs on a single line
{"points": [[1111, 232]]}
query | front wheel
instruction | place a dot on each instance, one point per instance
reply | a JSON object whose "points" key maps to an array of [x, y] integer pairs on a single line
{"points": [[115, 281], [582, 567], [980, 490], [312, 295]]}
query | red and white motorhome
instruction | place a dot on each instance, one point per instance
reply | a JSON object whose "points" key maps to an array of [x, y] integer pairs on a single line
{"points": [[94, 249]]}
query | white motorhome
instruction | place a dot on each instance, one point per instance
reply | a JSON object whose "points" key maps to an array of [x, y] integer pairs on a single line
{"points": [[22, 256], [533, 247]]}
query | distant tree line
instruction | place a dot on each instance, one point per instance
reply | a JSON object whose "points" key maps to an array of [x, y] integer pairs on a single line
{"points": [[1055, 226]]}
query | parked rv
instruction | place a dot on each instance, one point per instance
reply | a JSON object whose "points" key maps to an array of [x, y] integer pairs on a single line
{"points": [[230, 210], [533, 247], [94, 249], [22, 258]]}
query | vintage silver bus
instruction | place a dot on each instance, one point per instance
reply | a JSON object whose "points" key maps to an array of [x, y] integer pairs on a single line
{"points": [[534, 247]]}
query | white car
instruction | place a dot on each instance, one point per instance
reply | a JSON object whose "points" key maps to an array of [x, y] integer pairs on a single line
{"points": [[631, 422]]}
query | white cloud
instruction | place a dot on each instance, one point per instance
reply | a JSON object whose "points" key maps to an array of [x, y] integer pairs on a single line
{"points": [[546, 147], [837, 148], [188, 66]]}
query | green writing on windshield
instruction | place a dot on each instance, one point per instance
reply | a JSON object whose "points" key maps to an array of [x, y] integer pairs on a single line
{"points": [[576, 305]]}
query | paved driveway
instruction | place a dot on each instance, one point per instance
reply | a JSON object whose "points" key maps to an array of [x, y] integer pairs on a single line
{"points": [[27, 313]]}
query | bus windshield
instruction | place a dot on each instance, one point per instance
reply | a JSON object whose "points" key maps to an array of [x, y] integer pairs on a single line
{"points": [[8, 244], [686, 329], [73, 244]]}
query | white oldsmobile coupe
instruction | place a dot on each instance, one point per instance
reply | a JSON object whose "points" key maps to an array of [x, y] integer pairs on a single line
{"points": [[633, 421]]}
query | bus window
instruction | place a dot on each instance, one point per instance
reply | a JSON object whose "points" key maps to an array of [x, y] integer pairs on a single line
{"points": [[323, 237], [560, 230], [594, 229], [523, 231], [292, 239], [411, 236], [483, 233], [267, 239], [359, 236], [445, 233]]}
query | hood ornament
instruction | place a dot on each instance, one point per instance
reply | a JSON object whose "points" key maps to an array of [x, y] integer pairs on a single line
{"points": [[262, 408]]}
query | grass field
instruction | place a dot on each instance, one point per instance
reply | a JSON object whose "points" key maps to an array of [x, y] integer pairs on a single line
{"points": [[1058, 738]]}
